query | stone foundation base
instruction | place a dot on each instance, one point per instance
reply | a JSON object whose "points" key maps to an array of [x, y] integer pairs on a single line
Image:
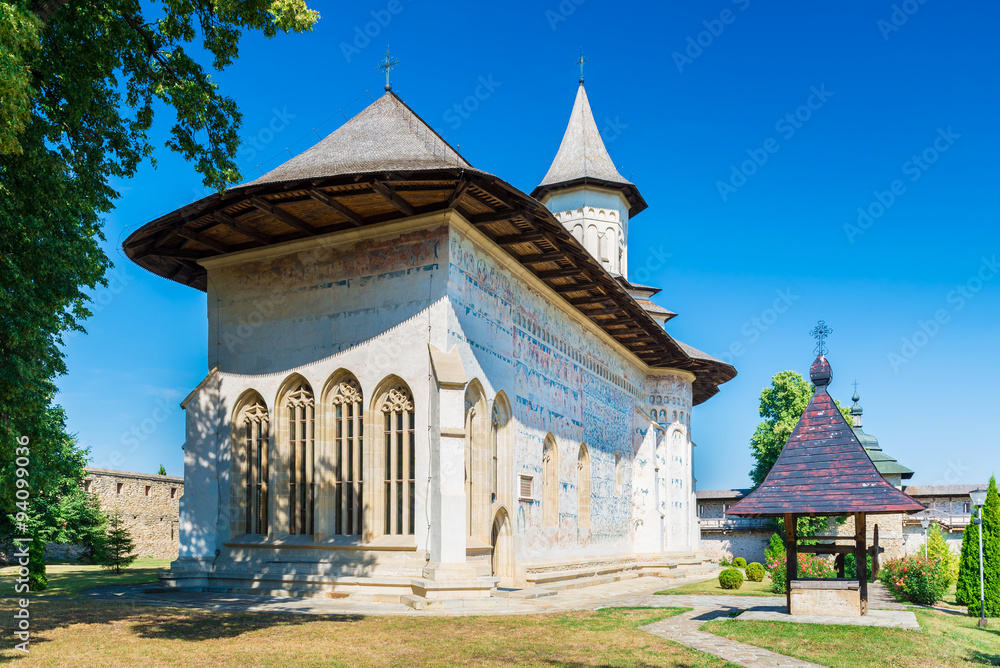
{"points": [[828, 598]]}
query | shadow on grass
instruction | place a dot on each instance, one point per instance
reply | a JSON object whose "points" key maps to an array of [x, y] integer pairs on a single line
{"points": [[986, 659], [210, 625]]}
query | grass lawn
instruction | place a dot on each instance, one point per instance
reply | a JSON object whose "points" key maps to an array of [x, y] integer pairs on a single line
{"points": [[117, 634], [949, 640], [713, 587], [67, 579]]}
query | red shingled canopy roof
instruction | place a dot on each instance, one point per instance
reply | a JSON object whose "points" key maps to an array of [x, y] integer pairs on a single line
{"points": [[823, 469]]}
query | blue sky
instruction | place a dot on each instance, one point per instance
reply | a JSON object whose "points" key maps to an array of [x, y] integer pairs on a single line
{"points": [[758, 133]]}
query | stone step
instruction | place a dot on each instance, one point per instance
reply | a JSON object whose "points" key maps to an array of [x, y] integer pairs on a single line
{"points": [[522, 594], [457, 604]]}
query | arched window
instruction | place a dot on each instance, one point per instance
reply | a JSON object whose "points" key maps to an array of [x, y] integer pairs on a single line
{"points": [[550, 482], [583, 487], [348, 455], [301, 410], [252, 423], [399, 438], [618, 472]]}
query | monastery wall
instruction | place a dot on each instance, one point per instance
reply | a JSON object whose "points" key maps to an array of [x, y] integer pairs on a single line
{"points": [[149, 506]]}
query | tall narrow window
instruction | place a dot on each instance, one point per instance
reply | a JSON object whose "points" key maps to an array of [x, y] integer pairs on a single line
{"points": [[618, 472], [583, 487], [301, 435], [255, 443], [494, 473], [348, 437], [550, 482], [399, 436]]}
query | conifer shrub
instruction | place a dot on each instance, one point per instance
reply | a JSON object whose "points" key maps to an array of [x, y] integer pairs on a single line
{"points": [[755, 572], [740, 562], [119, 546], [731, 578]]}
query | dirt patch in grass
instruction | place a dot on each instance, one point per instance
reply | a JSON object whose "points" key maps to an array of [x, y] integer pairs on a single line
{"points": [[111, 634], [949, 640]]}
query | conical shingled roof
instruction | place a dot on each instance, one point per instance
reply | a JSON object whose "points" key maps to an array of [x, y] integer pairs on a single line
{"points": [[823, 469], [386, 136], [583, 158]]}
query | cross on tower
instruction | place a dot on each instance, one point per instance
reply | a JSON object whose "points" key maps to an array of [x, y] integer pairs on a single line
{"points": [[387, 66], [580, 61], [820, 332]]}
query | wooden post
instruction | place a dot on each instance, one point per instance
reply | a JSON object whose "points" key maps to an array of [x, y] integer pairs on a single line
{"points": [[839, 563], [860, 557], [791, 556], [875, 551]]}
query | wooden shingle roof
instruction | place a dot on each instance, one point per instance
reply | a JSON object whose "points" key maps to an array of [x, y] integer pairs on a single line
{"points": [[387, 164], [583, 159], [823, 469]]}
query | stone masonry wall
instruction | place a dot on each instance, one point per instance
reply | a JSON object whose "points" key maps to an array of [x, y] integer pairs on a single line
{"points": [[149, 505]]}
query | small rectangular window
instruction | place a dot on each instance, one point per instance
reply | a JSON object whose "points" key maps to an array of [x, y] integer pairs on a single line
{"points": [[173, 492], [118, 488], [147, 490], [86, 485], [967, 507], [525, 487]]}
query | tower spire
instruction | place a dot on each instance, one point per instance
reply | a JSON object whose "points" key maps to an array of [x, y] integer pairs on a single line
{"points": [[387, 66], [580, 61]]}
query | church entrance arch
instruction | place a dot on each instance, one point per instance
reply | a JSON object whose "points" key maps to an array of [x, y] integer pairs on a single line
{"points": [[502, 541]]}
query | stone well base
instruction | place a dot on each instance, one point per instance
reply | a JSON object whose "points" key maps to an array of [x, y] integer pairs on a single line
{"points": [[830, 598]]}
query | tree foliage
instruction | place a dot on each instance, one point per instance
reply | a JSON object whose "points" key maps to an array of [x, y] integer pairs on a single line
{"points": [[162, 471], [781, 406], [938, 550], [79, 84], [967, 589]]}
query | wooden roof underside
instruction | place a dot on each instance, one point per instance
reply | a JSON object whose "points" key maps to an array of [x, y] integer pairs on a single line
{"points": [[256, 216]]}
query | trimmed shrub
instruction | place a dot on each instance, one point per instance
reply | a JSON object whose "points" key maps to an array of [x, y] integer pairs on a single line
{"points": [[938, 550], [755, 572], [915, 579], [740, 562], [731, 578]]}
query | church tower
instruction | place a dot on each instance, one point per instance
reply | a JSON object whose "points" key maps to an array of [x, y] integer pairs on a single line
{"points": [[587, 194]]}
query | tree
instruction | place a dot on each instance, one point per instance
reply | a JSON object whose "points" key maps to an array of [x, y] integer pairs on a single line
{"points": [[162, 470], [781, 407], [967, 587], [79, 83], [119, 544], [938, 550], [967, 591]]}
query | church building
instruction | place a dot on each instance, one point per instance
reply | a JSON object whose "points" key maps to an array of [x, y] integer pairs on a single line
{"points": [[424, 382]]}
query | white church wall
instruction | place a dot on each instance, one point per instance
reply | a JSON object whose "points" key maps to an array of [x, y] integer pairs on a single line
{"points": [[199, 510], [361, 303]]}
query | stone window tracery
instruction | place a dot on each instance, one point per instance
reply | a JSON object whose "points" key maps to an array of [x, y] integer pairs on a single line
{"points": [[255, 449], [301, 410], [348, 458], [399, 436]]}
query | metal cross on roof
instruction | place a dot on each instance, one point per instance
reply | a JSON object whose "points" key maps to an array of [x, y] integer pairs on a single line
{"points": [[820, 332], [387, 65], [580, 61]]}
